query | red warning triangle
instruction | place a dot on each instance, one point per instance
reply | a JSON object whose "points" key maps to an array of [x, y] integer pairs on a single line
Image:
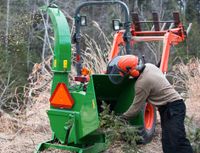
{"points": [[61, 98]]}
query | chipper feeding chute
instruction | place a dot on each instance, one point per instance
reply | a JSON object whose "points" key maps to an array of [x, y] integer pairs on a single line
{"points": [[74, 108]]}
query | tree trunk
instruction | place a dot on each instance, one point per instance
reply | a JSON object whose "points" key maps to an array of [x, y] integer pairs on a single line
{"points": [[7, 28]]}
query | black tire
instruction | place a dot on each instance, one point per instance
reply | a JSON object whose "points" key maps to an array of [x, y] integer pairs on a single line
{"points": [[147, 133]]}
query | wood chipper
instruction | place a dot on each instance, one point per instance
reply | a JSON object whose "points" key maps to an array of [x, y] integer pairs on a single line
{"points": [[74, 109]]}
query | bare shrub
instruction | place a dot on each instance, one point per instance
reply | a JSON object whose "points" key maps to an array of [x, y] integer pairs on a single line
{"points": [[187, 77], [193, 133]]}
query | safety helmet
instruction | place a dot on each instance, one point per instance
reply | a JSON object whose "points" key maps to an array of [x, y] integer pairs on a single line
{"points": [[130, 64]]}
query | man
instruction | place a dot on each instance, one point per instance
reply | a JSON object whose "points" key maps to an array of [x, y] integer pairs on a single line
{"points": [[152, 86]]}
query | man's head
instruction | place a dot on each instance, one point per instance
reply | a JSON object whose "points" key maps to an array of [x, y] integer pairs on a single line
{"points": [[129, 65], [126, 65]]}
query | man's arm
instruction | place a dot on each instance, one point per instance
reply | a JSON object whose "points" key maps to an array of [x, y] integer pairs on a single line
{"points": [[138, 103]]}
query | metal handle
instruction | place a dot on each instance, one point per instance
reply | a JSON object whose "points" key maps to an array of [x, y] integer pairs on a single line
{"points": [[127, 35], [123, 5]]}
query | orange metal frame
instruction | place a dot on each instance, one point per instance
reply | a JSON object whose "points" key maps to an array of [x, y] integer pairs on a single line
{"points": [[169, 37], [172, 36], [118, 40]]}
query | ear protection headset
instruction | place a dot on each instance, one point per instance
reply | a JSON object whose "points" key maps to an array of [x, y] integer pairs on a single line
{"points": [[137, 70]]}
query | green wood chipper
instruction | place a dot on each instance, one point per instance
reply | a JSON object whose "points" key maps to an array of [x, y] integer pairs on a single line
{"points": [[74, 111]]}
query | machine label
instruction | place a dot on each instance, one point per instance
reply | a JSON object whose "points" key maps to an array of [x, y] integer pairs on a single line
{"points": [[65, 64], [54, 63]]}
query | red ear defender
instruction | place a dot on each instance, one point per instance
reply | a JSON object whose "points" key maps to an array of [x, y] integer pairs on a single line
{"points": [[134, 73]]}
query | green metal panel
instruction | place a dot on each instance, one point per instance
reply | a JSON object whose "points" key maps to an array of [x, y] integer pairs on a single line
{"points": [[120, 96], [72, 125], [62, 47], [89, 111], [85, 103], [95, 148], [58, 120]]}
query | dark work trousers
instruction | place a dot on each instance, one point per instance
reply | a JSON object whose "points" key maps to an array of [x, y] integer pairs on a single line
{"points": [[173, 130]]}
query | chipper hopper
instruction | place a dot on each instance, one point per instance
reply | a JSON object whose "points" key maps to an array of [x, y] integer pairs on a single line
{"points": [[74, 109]]}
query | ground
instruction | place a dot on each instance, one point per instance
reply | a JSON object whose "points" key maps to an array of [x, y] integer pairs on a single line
{"points": [[36, 129]]}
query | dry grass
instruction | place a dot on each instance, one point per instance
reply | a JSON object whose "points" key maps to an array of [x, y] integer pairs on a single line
{"points": [[190, 75], [95, 57], [23, 131]]}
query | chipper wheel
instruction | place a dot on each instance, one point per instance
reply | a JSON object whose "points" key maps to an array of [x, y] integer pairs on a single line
{"points": [[149, 118]]}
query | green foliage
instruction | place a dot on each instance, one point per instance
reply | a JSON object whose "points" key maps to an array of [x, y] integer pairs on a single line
{"points": [[193, 134], [17, 55], [192, 10], [117, 129], [190, 48], [193, 40]]}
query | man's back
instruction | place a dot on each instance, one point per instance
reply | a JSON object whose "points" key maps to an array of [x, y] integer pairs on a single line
{"points": [[156, 86]]}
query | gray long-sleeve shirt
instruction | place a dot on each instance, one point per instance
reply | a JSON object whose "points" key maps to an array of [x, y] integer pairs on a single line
{"points": [[153, 87]]}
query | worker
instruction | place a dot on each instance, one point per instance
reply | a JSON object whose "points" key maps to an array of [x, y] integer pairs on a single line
{"points": [[152, 86]]}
